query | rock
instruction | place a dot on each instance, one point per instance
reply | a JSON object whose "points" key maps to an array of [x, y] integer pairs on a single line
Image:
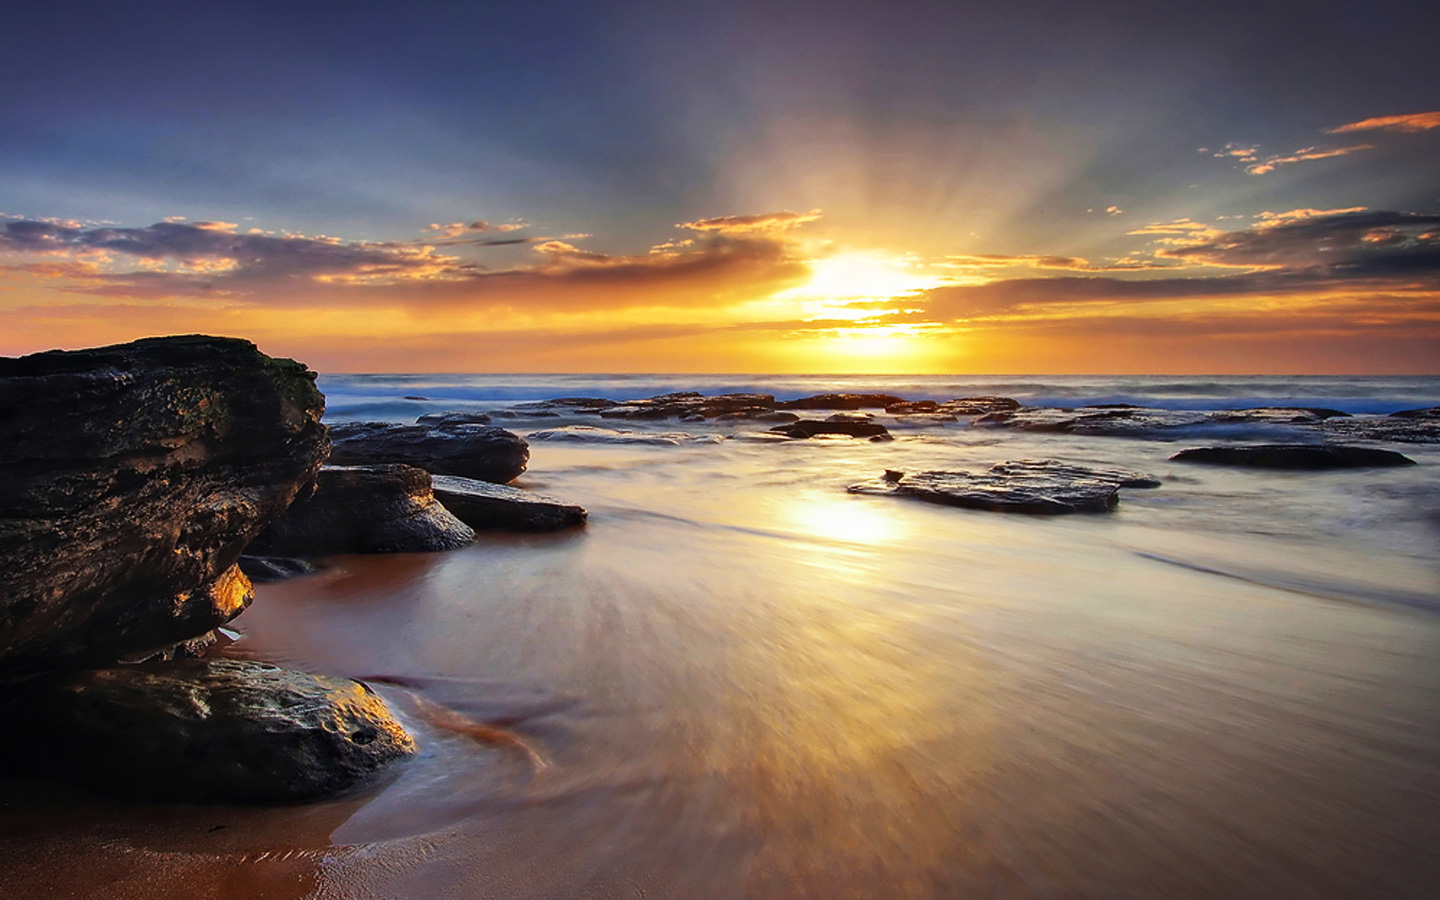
{"points": [[1429, 412], [757, 415], [1411, 426], [1294, 456], [206, 731], [473, 451], [841, 401], [1278, 415], [365, 509], [448, 419], [275, 568], [483, 505], [589, 434], [978, 406], [907, 407], [1058, 470], [1118, 421], [808, 428], [134, 475], [1029, 486]]}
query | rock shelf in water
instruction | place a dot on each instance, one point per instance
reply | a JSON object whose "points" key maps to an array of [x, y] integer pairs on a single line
{"points": [[1294, 456], [449, 448], [1027, 486], [486, 506]]}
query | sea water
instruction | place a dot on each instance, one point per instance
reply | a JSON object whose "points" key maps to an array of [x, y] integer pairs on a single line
{"points": [[743, 682]]}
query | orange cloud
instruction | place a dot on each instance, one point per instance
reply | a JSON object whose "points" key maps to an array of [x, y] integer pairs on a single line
{"points": [[1271, 163], [778, 221], [1411, 122]]}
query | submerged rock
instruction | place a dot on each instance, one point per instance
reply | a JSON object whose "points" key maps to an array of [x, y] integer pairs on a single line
{"points": [[449, 419], [134, 476], [808, 428], [1029, 486], [365, 509], [1410, 426], [978, 406], [1116, 421], [206, 731], [1294, 456], [473, 451], [483, 505], [261, 569], [590, 434]]}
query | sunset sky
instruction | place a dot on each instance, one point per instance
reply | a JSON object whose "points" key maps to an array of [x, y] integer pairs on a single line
{"points": [[930, 187]]}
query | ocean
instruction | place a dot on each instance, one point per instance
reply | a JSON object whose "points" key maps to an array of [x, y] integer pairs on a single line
{"points": [[744, 682]]}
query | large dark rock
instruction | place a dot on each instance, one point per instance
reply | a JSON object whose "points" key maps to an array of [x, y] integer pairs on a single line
{"points": [[451, 419], [365, 509], [483, 505], [1294, 456], [131, 477], [978, 406], [841, 401], [808, 428], [1028, 486], [473, 451], [204, 731]]}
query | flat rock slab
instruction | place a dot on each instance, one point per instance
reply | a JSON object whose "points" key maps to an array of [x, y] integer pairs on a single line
{"points": [[590, 434], [206, 731], [1028, 486], [1294, 456], [454, 448], [365, 509], [486, 506], [808, 428]]}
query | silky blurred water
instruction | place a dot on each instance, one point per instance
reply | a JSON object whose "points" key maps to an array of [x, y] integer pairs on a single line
{"points": [[747, 683]]}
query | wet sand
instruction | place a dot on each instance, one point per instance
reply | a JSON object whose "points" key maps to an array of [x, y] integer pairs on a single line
{"points": [[747, 684]]}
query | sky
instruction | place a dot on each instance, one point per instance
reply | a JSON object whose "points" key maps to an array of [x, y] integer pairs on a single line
{"points": [[778, 187]]}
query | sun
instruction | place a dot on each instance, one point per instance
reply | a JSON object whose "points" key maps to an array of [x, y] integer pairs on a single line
{"points": [[840, 281]]}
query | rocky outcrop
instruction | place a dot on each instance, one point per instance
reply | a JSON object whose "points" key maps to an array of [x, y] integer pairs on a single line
{"points": [[133, 477], [1294, 456], [469, 450], [808, 428], [841, 401], [1028, 486], [1408, 426], [486, 506], [365, 509], [206, 731], [977, 406]]}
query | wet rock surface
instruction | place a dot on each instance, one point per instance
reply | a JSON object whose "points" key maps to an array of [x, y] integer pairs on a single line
{"points": [[449, 448], [205, 731], [1294, 456], [365, 509], [134, 476], [590, 434], [1027, 486], [486, 506], [808, 428]]}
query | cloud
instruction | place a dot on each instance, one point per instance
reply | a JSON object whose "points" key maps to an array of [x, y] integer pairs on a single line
{"points": [[209, 259], [1270, 163], [1342, 240], [766, 222], [1411, 122], [217, 246], [1288, 254], [1037, 261]]}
